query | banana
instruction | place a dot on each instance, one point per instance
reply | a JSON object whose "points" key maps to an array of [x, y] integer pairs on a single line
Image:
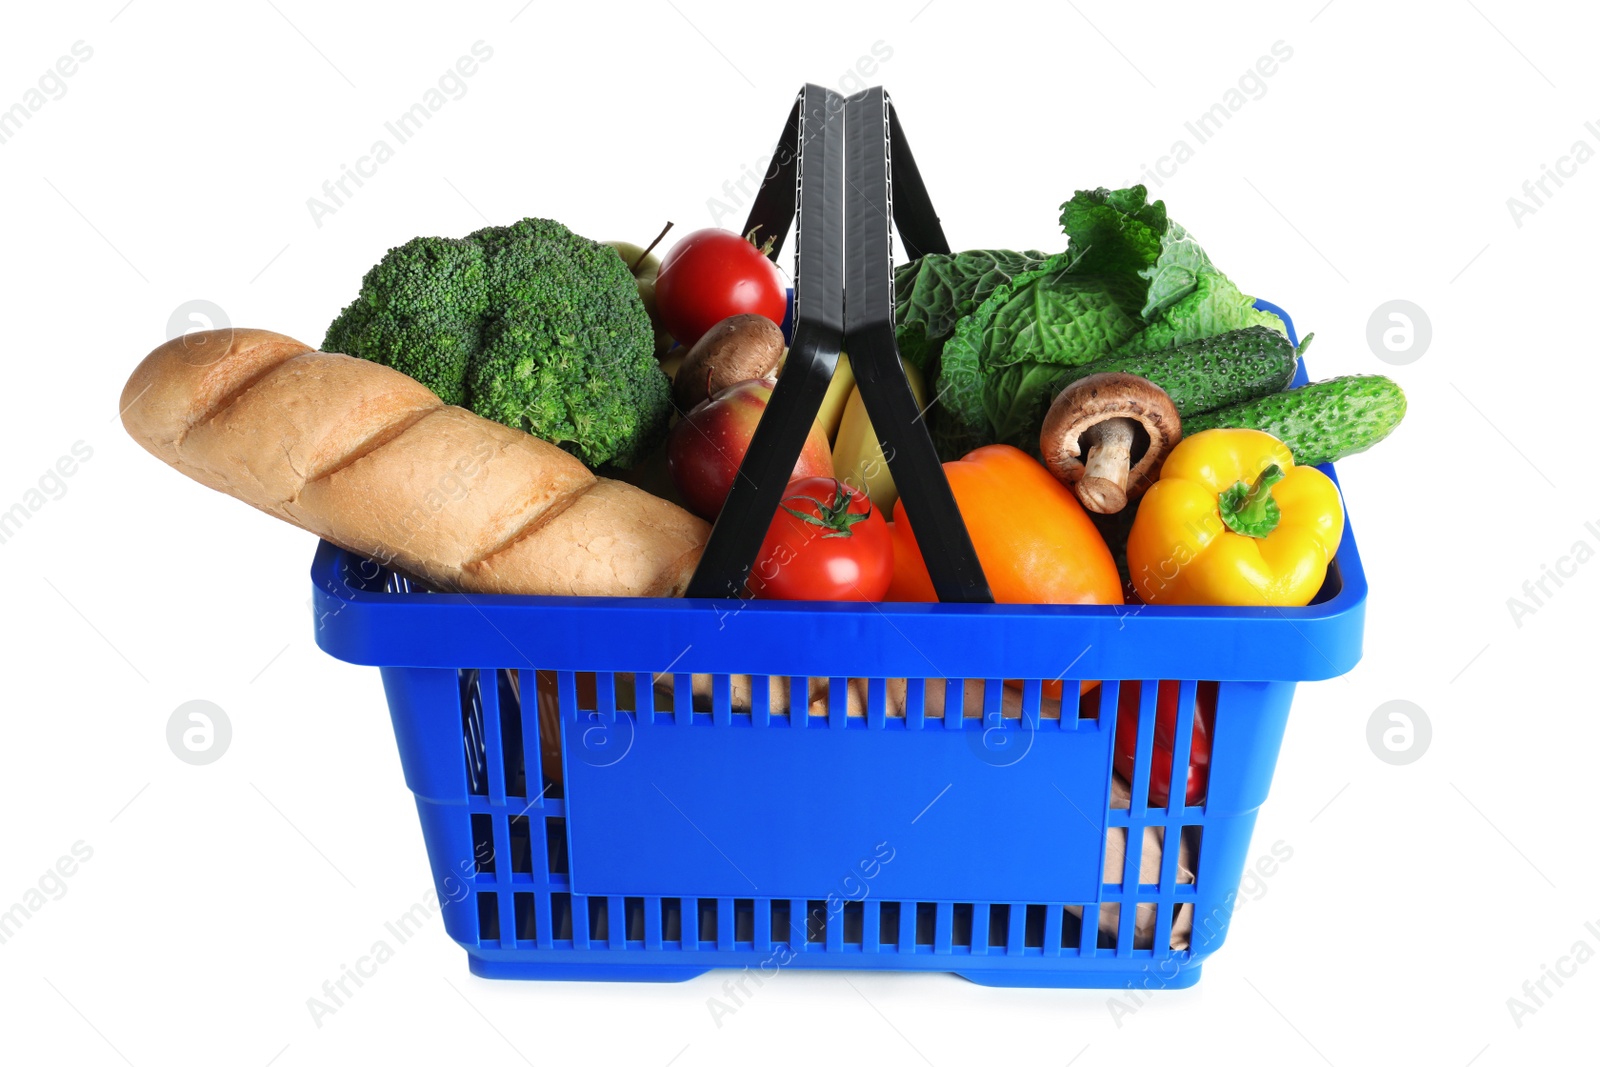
{"points": [[857, 456], [833, 404]]}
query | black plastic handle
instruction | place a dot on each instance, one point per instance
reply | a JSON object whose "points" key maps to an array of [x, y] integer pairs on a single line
{"points": [[818, 144], [843, 157], [897, 419]]}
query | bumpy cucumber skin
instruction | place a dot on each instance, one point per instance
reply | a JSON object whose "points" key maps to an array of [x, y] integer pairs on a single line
{"points": [[1320, 422], [1212, 372]]}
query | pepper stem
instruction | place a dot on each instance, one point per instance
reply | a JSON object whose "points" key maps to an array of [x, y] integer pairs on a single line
{"points": [[1249, 509]]}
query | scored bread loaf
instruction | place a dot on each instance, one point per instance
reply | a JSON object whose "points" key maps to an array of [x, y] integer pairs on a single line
{"points": [[373, 461]]}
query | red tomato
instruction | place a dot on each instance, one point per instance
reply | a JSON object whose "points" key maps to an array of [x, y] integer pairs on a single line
{"points": [[710, 275], [1166, 732], [827, 542]]}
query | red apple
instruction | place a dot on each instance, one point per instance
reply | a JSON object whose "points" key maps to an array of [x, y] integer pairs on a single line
{"points": [[707, 445]]}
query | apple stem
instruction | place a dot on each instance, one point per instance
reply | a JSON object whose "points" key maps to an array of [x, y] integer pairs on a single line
{"points": [[634, 270]]}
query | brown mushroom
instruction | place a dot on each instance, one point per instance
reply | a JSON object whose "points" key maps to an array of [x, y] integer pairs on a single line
{"points": [[737, 349], [1106, 436]]}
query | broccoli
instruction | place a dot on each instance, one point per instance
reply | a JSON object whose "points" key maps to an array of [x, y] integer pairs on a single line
{"points": [[530, 325]]}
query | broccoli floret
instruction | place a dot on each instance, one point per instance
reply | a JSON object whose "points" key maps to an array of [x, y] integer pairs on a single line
{"points": [[530, 325]]}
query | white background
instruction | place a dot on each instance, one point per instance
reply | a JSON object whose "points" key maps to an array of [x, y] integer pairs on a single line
{"points": [[1376, 166]]}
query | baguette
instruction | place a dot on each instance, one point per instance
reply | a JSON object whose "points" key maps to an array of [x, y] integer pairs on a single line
{"points": [[371, 460]]}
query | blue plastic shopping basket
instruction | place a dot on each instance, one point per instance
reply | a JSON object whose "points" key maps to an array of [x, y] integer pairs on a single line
{"points": [[644, 789]]}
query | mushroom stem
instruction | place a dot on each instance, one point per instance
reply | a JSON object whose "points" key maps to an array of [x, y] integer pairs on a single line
{"points": [[1104, 486]]}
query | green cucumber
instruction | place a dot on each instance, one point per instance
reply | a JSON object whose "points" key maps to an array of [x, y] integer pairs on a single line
{"points": [[1212, 372], [1320, 422]]}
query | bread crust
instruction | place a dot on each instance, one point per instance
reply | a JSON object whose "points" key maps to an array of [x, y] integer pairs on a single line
{"points": [[373, 461]]}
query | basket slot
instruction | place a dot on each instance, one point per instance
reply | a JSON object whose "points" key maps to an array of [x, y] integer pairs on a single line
{"points": [[760, 700], [561, 916], [1183, 736], [683, 699], [1071, 931], [816, 923], [1032, 699], [555, 832], [526, 714], [706, 925], [1111, 928], [472, 734], [743, 926], [511, 732], [527, 926], [483, 851], [1115, 835], [1167, 875], [721, 699], [964, 918], [1145, 746], [644, 698], [1033, 927], [671, 920], [999, 931], [600, 925], [925, 918], [519, 835], [494, 751], [781, 931], [889, 927], [488, 918]]}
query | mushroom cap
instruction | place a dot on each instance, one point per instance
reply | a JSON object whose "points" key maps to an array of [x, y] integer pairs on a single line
{"points": [[736, 349], [1096, 398]]}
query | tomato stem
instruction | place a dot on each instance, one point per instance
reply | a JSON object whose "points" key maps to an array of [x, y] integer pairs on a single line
{"points": [[766, 247], [835, 517]]}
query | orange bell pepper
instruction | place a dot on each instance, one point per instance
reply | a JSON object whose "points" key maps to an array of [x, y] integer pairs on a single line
{"points": [[1036, 543]]}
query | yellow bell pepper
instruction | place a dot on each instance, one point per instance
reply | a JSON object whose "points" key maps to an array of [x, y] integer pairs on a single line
{"points": [[1232, 521]]}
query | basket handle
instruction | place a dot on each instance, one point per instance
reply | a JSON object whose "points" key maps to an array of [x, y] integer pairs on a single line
{"points": [[872, 168], [829, 188]]}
